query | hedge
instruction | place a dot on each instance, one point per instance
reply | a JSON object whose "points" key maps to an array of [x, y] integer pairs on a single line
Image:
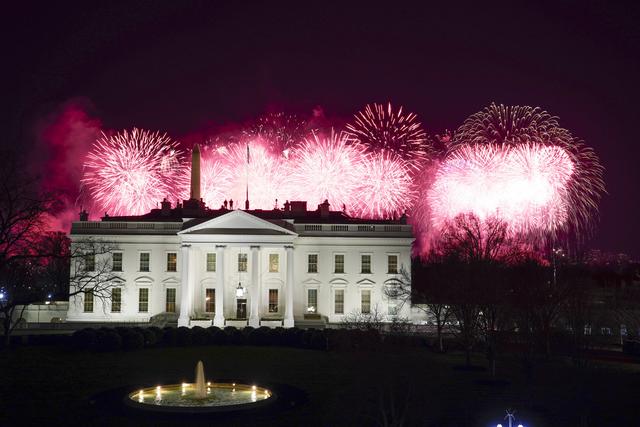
{"points": [[108, 339]]}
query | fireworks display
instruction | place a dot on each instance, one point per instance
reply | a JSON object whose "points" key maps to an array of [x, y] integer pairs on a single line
{"points": [[512, 163], [506, 126], [278, 132], [381, 128], [326, 168], [129, 173], [525, 185]]}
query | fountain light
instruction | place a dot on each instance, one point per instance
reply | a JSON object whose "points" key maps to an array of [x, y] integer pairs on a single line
{"points": [[253, 388], [208, 383]]}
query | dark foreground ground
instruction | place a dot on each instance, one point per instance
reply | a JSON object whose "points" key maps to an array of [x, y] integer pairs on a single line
{"points": [[58, 386]]}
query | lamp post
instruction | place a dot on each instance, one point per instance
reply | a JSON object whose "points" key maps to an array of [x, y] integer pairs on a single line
{"points": [[240, 290], [510, 417]]}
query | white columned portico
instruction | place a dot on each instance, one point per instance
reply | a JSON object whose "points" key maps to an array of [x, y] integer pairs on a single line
{"points": [[185, 291], [288, 302], [254, 318], [218, 319]]}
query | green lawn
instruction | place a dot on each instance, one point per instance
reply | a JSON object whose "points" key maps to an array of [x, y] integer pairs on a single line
{"points": [[52, 385]]}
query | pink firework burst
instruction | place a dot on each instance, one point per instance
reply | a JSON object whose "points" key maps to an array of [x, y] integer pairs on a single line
{"points": [[386, 187], [524, 185], [516, 125], [265, 173], [384, 128], [130, 172], [327, 168]]}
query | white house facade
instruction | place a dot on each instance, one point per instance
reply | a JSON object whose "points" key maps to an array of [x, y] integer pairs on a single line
{"points": [[236, 268]]}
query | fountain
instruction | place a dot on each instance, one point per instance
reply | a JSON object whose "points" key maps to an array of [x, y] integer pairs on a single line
{"points": [[201, 396], [201, 389]]}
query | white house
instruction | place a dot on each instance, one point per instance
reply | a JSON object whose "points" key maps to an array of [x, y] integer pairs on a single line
{"points": [[246, 267]]}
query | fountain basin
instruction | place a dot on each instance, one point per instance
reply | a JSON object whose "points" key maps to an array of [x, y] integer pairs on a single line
{"points": [[220, 397]]}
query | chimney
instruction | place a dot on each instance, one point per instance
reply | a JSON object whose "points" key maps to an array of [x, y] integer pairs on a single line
{"points": [[84, 215], [287, 206], [165, 207], [324, 209], [195, 173]]}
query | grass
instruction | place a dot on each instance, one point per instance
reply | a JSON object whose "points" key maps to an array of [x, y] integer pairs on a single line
{"points": [[54, 386]]}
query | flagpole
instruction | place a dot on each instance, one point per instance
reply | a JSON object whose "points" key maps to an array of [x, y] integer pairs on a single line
{"points": [[246, 202]]}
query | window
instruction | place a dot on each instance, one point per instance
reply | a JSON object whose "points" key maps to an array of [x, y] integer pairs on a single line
{"points": [[143, 300], [170, 306], [312, 300], [116, 300], [242, 262], [392, 264], [88, 301], [365, 302], [274, 263], [339, 264], [365, 264], [144, 261], [211, 262], [273, 300], [116, 265], [210, 300], [312, 263], [172, 261], [339, 301], [89, 262]]}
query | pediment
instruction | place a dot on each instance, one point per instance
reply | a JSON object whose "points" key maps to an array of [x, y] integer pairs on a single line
{"points": [[170, 280], [365, 282], [143, 280], [338, 282], [312, 282], [236, 222]]}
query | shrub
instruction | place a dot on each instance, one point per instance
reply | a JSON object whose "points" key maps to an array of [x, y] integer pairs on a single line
{"points": [[149, 338], [233, 335], [260, 336], [184, 336], [199, 335], [169, 336], [216, 335], [108, 340], [276, 336], [132, 339], [293, 337], [84, 339], [157, 332], [318, 339]]}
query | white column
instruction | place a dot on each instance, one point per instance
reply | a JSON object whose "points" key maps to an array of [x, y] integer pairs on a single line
{"points": [[185, 291], [218, 319], [288, 302], [254, 318]]}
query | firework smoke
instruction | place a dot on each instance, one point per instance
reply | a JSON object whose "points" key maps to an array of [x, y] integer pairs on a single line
{"points": [[278, 132], [130, 172]]}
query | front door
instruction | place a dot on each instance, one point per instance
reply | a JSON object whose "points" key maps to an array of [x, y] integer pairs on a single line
{"points": [[241, 309]]}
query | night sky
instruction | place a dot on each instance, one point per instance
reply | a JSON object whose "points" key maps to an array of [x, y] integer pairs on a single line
{"points": [[181, 67]]}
